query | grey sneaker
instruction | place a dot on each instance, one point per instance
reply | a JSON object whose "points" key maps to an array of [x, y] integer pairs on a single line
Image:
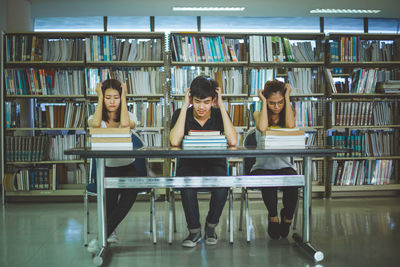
{"points": [[210, 236], [191, 240]]}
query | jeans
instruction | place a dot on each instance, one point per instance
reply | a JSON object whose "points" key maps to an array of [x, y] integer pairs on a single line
{"points": [[119, 201], [189, 196], [270, 194]]}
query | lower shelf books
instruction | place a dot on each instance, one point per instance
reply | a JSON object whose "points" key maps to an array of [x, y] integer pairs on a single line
{"points": [[204, 139], [314, 169], [362, 172], [283, 138], [44, 178], [390, 87], [364, 142], [27, 148], [151, 138], [29, 179]]}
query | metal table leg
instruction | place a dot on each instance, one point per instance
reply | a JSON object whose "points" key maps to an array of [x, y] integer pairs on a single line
{"points": [[304, 242], [101, 214], [230, 216]]}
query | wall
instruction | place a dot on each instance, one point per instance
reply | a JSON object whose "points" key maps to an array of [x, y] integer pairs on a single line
{"points": [[3, 15], [19, 16]]}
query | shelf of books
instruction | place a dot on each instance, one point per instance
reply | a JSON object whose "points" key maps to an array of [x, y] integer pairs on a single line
{"points": [[297, 59], [286, 50], [44, 107], [364, 95], [346, 92], [138, 59], [52, 77], [363, 50], [125, 49], [223, 57], [241, 63]]}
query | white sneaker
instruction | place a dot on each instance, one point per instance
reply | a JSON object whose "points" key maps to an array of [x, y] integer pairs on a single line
{"points": [[113, 238], [93, 246]]}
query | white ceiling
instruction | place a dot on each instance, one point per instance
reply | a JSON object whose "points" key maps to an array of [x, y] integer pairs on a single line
{"points": [[259, 8]]}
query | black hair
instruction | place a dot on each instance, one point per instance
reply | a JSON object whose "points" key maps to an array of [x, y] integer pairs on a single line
{"points": [[270, 88], [116, 85], [203, 87]]}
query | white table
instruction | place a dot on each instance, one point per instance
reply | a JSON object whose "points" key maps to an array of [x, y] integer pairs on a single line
{"points": [[206, 181]]}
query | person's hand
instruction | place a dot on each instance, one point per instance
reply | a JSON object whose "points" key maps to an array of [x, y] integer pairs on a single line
{"points": [[261, 95], [220, 102], [99, 91], [124, 90], [188, 98], [288, 90]]}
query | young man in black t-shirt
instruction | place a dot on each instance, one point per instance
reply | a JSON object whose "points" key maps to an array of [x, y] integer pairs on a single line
{"points": [[203, 94]]}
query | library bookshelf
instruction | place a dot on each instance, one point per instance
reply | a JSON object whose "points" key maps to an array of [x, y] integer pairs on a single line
{"points": [[52, 77], [231, 57], [363, 117], [240, 62]]}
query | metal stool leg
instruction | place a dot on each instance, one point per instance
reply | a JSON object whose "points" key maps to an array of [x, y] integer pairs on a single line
{"points": [[153, 215], [230, 216], [246, 198], [229, 212], [171, 217], [151, 212], [296, 214], [174, 210], [241, 209], [85, 219]]}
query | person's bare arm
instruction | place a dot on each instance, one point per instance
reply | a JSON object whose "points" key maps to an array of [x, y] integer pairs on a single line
{"points": [[95, 121], [230, 131], [261, 117], [290, 114], [178, 131], [124, 120]]}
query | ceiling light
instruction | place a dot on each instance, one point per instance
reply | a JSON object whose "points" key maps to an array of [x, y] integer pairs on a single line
{"points": [[345, 11], [208, 8]]}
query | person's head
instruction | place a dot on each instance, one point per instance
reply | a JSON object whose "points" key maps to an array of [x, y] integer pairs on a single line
{"points": [[274, 92], [112, 90], [203, 92]]}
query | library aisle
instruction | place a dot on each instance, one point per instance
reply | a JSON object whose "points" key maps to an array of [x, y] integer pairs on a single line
{"points": [[351, 232]]}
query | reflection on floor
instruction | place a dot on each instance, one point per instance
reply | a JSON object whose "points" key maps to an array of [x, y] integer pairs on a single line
{"points": [[351, 232]]}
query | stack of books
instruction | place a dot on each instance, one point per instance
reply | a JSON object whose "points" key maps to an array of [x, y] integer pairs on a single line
{"points": [[283, 138], [391, 87], [203, 139], [111, 138]]}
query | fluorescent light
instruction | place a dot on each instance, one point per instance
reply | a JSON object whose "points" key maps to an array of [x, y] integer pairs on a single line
{"points": [[208, 8], [345, 11]]}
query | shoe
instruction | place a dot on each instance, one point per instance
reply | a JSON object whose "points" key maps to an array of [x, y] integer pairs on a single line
{"points": [[93, 246], [113, 238], [210, 236], [191, 240], [273, 230], [284, 227]]}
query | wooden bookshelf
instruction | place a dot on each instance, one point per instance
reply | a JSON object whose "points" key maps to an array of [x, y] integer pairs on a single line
{"points": [[155, 63], [84, 98], [347, 59], [46, 162], [48, 193], [322, 92], [345, 188], [76, 97], [45, 129]]}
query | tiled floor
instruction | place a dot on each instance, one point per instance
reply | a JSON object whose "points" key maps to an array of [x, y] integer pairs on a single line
{"points": [[351, 232]]}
